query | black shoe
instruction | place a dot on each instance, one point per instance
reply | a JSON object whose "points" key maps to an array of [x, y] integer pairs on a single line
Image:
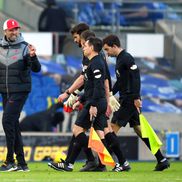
{"points": [[60, 166], [162, 165], [89, 166], [99, 168], [120, 168], [23, 168], [5, 167]]}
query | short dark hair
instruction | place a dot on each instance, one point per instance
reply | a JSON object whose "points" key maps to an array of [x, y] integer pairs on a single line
{"points": [[79, 28], [96, 43], [112, 40], [86, 34], [50, 2]]}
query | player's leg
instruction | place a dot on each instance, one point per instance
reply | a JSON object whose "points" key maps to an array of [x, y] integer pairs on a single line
{"points": [[88, 152], [162, 162], [114, 144], [91, 162], [84, 122], [78, 143], [120, 119]]}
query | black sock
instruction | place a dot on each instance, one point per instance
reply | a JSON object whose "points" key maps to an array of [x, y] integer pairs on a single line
{"points": [[70, 146], [107, 139], [104, 142], [79, 142], [88, 153], [113, 142], [158, 155], [146, 141]]}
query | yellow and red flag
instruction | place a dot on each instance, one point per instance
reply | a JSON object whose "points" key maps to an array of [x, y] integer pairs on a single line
{"points": [[96, 144], [148, 132]]}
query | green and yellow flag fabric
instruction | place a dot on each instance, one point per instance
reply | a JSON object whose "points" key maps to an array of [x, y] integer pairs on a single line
{"points": [[148, 132]]}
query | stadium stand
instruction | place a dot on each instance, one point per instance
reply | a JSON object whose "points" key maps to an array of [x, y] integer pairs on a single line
{"points": [[158, 82]]}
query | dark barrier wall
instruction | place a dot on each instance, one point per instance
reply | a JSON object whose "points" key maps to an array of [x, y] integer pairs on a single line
{"points": [[37, 148]]}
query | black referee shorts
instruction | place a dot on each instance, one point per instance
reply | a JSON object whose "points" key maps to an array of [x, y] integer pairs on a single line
{"points": [[127, 113], [83, 119]]}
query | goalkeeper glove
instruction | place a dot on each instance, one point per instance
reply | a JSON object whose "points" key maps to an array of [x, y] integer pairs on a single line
{"points": [[114, 104], [72, 98]]}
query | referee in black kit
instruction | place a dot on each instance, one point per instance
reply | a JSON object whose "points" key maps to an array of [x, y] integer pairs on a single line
{"points": [[128, 86], [95, 103], [80, 34]]}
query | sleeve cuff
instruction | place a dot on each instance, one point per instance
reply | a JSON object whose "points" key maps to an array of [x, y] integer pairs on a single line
{"points": [[82, 99], [136, 97], [93, 103], [34, 58]]}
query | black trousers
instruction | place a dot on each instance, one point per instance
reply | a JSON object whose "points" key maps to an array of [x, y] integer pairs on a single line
{"points": [[12, 107]]}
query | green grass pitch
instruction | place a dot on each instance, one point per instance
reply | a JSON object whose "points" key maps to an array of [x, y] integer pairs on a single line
{"points": [[140, 172]]}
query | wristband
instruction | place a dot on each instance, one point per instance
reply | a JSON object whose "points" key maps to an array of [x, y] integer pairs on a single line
{"points": [[67, 92], [75, 94]]}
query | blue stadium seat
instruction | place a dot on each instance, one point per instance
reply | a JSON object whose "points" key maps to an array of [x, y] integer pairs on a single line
{"points": [[42, 88]]}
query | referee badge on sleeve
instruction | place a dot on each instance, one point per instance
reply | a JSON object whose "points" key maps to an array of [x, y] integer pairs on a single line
{"points": [[97, 74], [133, 67]]}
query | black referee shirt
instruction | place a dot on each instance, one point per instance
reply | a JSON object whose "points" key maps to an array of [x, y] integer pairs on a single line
{"points": [[94, 78], [85, 63], [128, 76]]}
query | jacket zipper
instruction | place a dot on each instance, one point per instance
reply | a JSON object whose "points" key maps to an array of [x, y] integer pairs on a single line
{"points": [[7, 76]]}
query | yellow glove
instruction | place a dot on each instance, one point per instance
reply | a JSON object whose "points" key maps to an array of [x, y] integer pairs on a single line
{"points": [[114, 104], [72, 98]]}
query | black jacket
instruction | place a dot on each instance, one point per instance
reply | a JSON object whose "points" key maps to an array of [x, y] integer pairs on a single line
{"points": [[53, 19], [16, 66]]}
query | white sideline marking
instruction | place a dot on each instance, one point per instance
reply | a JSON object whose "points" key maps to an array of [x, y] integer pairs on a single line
{"points": [[99, 179], [112, 179]]}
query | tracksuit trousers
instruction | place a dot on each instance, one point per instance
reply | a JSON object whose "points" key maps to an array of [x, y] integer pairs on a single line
{"points": [[12, 106]]}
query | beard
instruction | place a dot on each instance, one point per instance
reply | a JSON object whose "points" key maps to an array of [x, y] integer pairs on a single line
{"points": [[12, 38], [79, 45]]}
